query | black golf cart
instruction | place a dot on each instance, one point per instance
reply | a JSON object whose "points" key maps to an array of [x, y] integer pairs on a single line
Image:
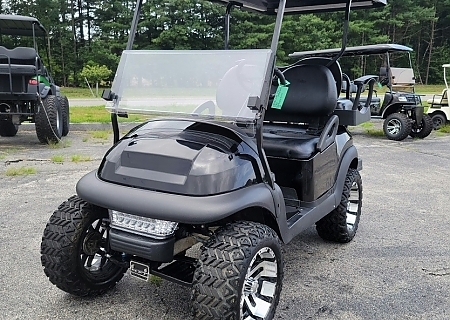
{"points": [[27, 90], [402, 108], [244, 155]]}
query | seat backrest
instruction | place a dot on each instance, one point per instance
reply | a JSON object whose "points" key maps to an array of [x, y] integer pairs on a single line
{"points": [[334, 67], [312, 94], [19, 55]]}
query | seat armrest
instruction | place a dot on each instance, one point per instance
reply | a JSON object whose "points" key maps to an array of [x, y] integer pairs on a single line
{"points": [[361, 82]]}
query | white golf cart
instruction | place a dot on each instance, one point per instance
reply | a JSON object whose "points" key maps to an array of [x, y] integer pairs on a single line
{"points": [[439, 109]]}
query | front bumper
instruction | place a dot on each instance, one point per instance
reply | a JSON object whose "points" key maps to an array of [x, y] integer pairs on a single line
{"points": [[142, 246]]}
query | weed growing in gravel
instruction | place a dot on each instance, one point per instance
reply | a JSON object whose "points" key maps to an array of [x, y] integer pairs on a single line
{"points": [[444, 129], [85, 139], [22, 171], [57, 158], [100, 134], [79, 158], [366, 125], [155, 280], [59, 145]]}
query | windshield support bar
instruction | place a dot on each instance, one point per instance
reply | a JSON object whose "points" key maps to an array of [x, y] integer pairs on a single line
{"points": [[345, 33], [265, 95], [134, 23]]}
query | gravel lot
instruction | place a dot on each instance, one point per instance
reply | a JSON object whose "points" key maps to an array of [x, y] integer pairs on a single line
{"points": [[397, 267]]}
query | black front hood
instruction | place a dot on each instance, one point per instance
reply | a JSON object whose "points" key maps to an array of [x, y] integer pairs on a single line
{"points": [[180, 156]]}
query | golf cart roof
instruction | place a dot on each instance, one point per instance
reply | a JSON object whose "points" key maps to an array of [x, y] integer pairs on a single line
{"points": [[447, 65], [354, 51], [20, 25], [303, 6]]}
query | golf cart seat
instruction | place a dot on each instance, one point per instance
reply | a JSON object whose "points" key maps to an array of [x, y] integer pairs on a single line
{"points": [[304, 124], [20, 60], [439, 99]]}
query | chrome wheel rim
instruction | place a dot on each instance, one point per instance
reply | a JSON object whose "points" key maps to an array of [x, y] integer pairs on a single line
{"points": [[93, 256], [259, 287], [353, 206], [394, 126]]}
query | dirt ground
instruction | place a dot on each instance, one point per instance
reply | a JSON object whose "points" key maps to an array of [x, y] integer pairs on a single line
{"points": [[397, 267]]}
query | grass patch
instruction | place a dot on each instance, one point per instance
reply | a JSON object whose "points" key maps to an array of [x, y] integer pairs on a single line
{"points": [[80, 158], [366, 125], [57, 158], [100, 134], [79, 93], [59, 145], [100, 115], [155, 280], [375, 132], [22, 171], [444, 129]]}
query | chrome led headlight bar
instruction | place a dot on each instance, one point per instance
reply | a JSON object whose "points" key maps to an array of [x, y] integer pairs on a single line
{"points": [[142, 225]]}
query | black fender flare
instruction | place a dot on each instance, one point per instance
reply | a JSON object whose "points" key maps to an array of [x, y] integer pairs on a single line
{"points": [[349, 160], [44, 91]]}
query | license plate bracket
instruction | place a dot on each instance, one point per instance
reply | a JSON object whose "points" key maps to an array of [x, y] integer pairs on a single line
{"points": [[139, 270]]}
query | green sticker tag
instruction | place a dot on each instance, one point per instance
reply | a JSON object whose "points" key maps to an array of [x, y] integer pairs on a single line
{"points": [[280, 95], [379, 85]]}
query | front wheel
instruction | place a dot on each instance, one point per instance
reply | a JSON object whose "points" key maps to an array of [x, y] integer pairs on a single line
{"points": [[438, 120], [239, 273], [424, 129], [341, 224], [74, 250], [397, 126]]}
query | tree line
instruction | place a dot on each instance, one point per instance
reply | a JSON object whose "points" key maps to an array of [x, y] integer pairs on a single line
{"points": [[93, 33]]}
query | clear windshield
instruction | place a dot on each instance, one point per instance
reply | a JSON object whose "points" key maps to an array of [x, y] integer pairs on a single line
{"points": [[190, 83]]}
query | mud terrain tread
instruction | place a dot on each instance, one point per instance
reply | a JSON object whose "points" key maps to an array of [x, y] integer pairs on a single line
{"points": [[64, 103], [333, 226], [46, 129], [223, 260], [427, 127], [59, 248]]}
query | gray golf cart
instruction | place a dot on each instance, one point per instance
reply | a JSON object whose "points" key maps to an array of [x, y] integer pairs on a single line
{"points": [[401, 108], [27, 90], [242, 157], [439, 108]]}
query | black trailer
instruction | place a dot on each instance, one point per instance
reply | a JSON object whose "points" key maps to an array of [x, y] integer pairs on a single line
{"points": [[27, 90], [401, 108]]}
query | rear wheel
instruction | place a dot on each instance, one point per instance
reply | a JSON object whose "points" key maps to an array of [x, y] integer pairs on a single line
{"points": [[397, 126], [425, 128], [341, 224], [8, 129], [64, 103], [48, 120], [239, 274], [438, 120], [74, 250]]}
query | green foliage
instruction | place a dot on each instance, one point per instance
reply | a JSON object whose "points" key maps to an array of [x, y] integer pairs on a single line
{"points": [[95, 73], [21, 171], [97, 31]]}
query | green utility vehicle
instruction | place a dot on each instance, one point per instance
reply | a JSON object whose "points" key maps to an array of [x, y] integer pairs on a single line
{"points": [[27, 90]]}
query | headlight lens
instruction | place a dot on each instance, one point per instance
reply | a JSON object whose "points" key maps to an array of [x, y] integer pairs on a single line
{"points": [[142, 225]]}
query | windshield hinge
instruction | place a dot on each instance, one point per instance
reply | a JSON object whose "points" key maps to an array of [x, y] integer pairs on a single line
{"points": [[254, 103]]}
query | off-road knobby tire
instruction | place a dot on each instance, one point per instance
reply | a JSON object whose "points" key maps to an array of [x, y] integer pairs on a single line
{"points": [[425, 130], [48, 120], [333, 226], [8, 129], [222, 266], [62, 248], [438, 120], [404, 126], [64, 103]]}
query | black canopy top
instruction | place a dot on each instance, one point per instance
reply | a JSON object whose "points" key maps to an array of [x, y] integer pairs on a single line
{"points": [[303, 6], [353, 51], [20, 25]]}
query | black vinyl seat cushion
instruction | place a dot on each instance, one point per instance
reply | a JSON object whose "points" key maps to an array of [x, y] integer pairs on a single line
{"points": [[289, 145]]}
